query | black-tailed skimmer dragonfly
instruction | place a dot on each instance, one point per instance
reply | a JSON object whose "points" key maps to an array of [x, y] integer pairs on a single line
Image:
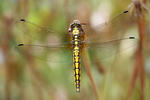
{"points": [[102, 43]]}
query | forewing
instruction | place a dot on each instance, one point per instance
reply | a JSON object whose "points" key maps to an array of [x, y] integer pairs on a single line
{"points": [[108, 29], [26, 30], [42, 43]]}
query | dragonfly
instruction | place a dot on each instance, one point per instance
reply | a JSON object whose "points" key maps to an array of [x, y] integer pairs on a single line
{"points": [[77, 42]]}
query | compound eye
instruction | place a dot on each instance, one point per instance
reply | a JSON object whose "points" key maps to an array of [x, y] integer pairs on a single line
{"points": [[78, 25], [72, 26]]}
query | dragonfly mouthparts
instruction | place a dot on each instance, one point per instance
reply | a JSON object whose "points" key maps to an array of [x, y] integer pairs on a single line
{"points": [[20, 44]]}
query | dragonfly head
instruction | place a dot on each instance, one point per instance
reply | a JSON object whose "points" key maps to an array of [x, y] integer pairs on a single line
{"points": [[75, 24]]}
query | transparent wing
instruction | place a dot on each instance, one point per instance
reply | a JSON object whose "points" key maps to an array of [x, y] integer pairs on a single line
{"points": [[105, 40], [108, 50], [52, 54], [29, 31], [109, 29], [43, 43], [110, 42]]}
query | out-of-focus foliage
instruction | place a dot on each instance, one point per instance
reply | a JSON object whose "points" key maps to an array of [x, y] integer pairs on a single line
{"points": [[47, 74]]}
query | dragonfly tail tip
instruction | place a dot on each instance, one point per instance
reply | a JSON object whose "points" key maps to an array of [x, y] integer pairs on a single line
{"points": [[78, 90]]}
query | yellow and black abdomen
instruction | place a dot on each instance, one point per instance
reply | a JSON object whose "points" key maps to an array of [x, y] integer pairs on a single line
{"points": [[77, 66], [76, 57]]}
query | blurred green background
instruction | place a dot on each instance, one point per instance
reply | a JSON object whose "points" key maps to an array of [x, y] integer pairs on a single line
{"points": [[35, 73]]}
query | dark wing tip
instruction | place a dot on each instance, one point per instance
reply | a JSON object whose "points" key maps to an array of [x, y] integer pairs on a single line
{"points": [[131, 37], [20, 44], [126, 11], [23, 20]]}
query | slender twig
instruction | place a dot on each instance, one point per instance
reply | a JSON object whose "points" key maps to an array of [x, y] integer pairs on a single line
{"points": [[86, 65], [133, 80], [141, 27], [7, 38], [139, 64], [99, 67]]}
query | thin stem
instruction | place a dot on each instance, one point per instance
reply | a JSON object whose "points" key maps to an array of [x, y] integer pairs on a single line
{"points": [[139, 64], [86, 65], [141, 27], [133, 79]]}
